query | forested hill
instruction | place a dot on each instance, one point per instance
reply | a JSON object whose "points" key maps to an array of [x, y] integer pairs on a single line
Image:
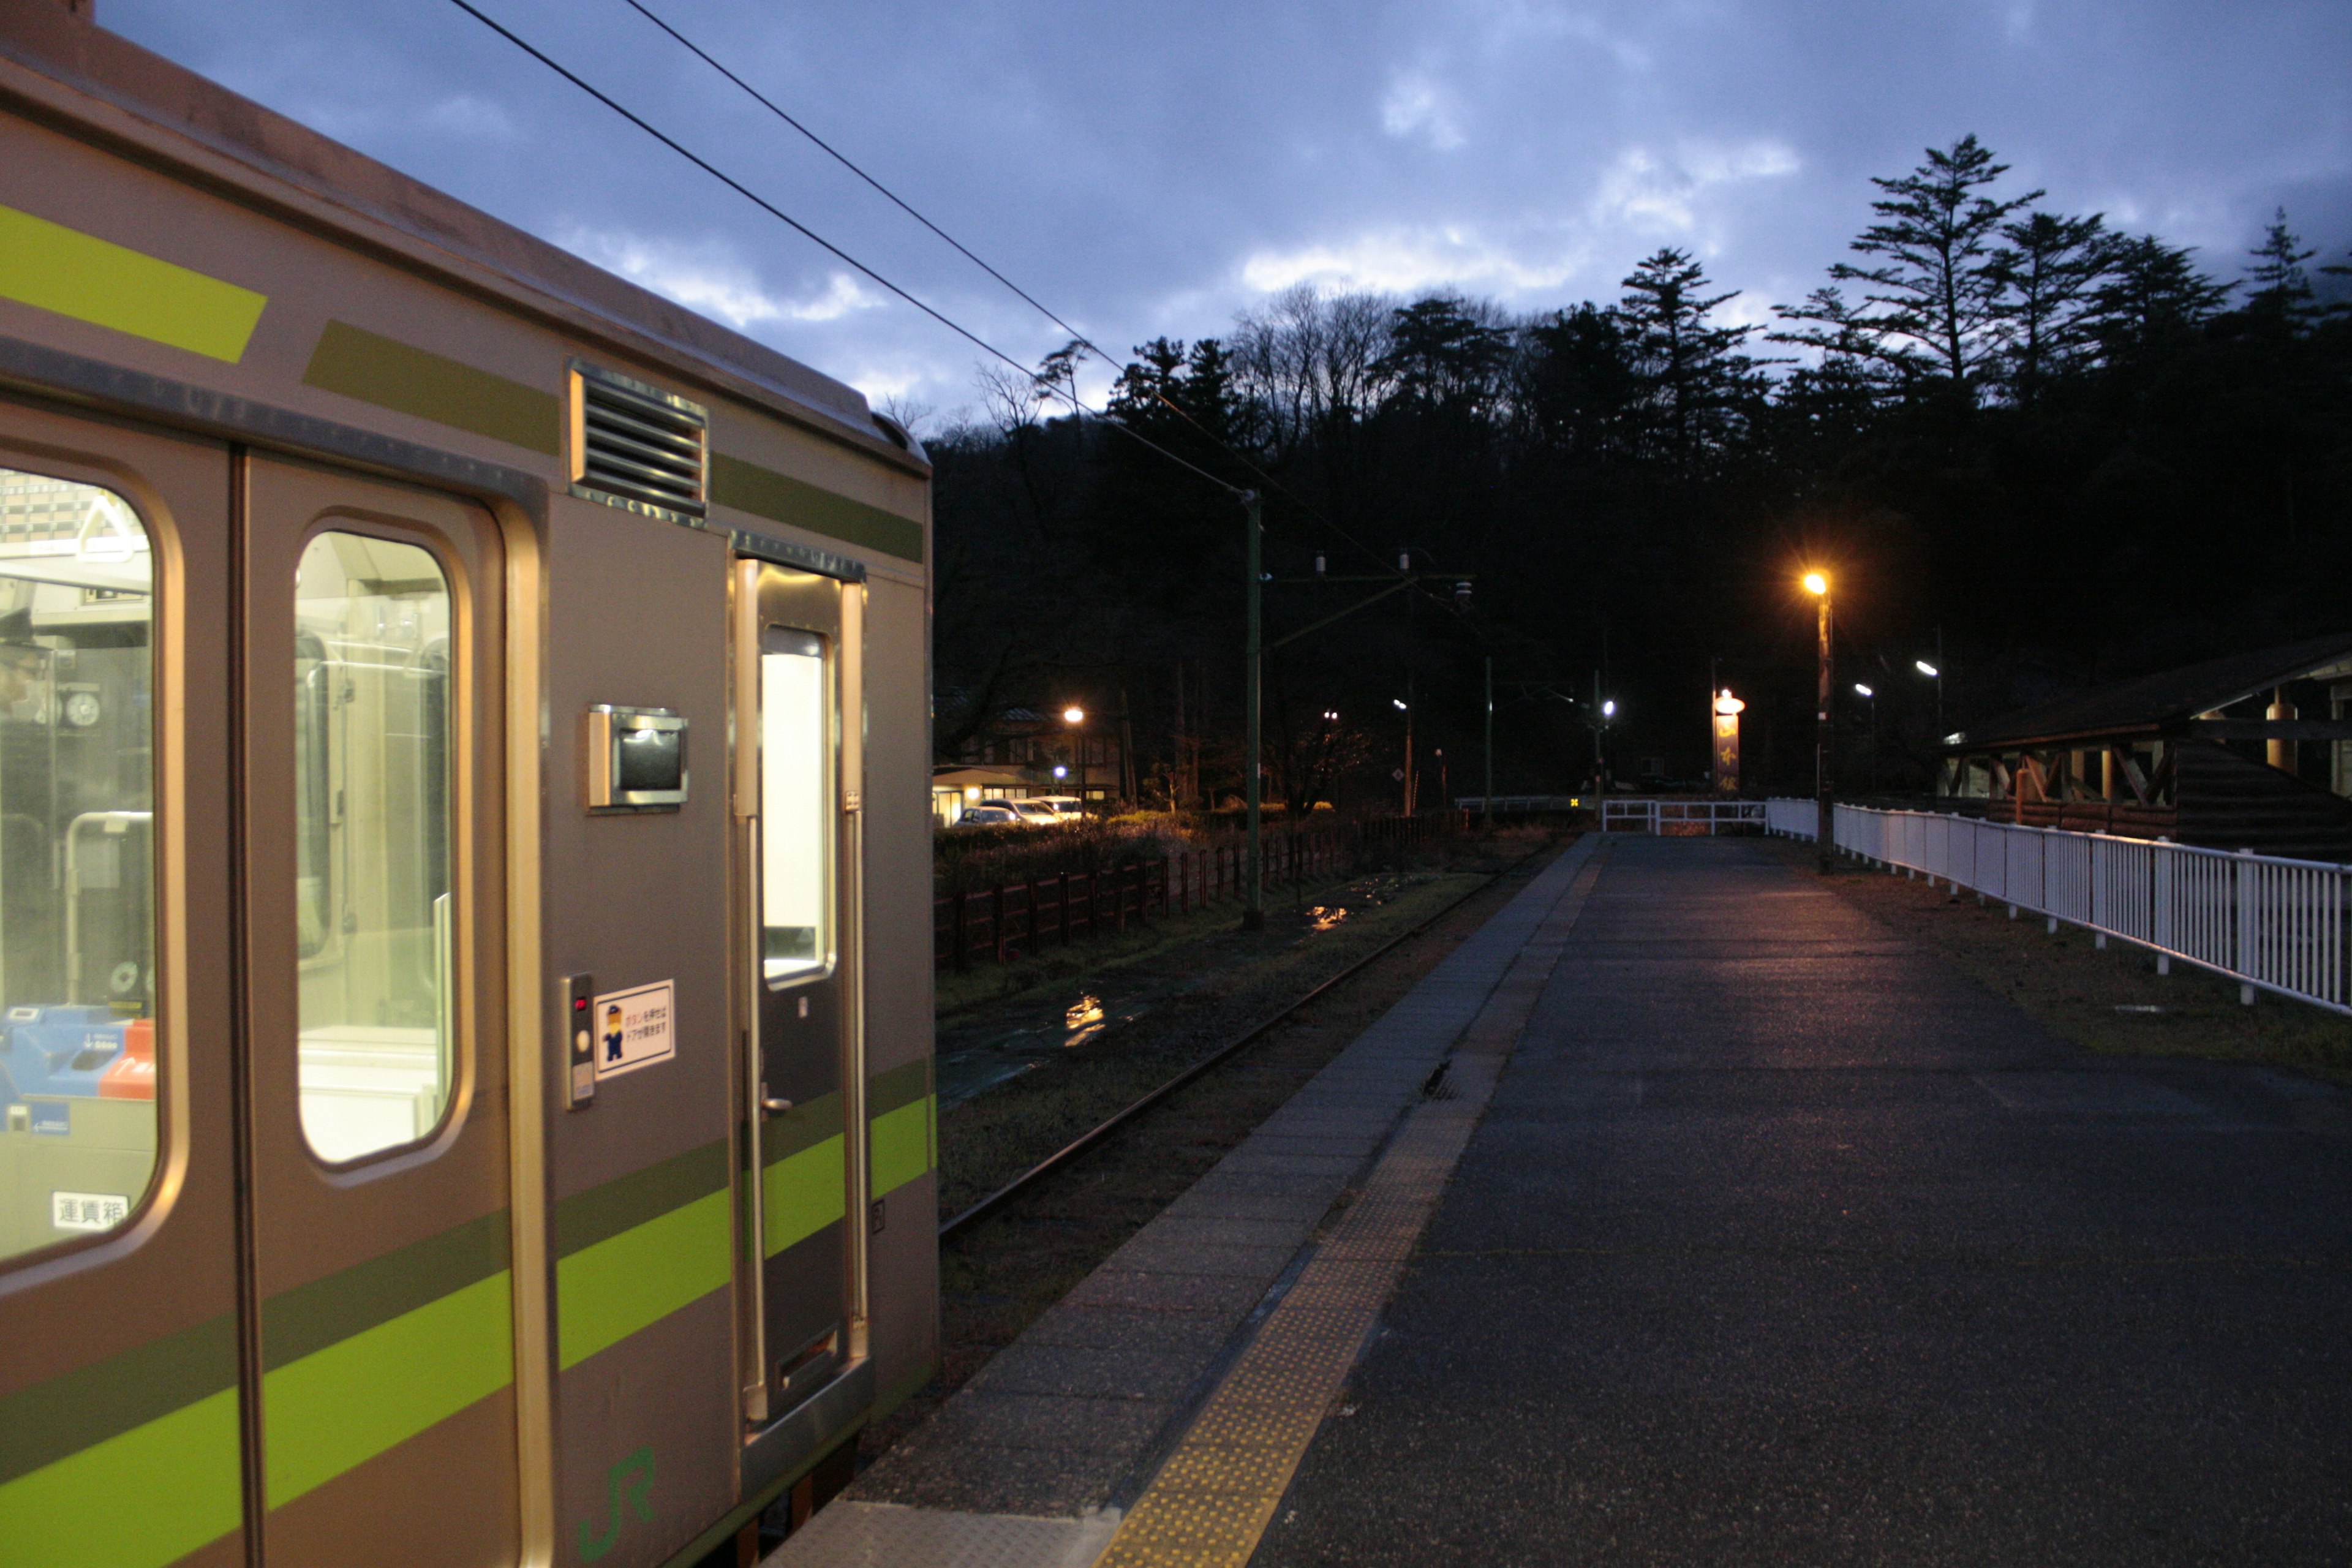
{"points": [[2079, 453]]}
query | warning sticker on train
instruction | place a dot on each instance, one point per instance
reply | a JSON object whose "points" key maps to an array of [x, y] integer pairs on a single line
{"points": [[635, 1028]]}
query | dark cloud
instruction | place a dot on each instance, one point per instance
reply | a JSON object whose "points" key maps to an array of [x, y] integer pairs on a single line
{"points": [[1149, 170]]}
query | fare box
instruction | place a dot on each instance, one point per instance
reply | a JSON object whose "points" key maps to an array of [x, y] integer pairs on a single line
{"points": [[635, 1028]]}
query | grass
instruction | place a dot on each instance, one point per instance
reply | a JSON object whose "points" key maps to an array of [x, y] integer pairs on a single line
{"points": [[2100, 999]]}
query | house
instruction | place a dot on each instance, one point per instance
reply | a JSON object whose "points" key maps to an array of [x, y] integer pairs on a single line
{"points": [[1051, 754], [2253, 752]]}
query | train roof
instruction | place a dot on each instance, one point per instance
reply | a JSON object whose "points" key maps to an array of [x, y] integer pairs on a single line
{"points": [[59, 68]]}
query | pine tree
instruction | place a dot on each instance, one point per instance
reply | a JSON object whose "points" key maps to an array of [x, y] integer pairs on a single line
{"points": [[2049, 272], [1933, 306], [1696, 376], [2150, 295], [2280, 297]]}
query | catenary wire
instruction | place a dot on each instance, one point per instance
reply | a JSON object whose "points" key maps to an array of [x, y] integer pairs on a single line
{"points": [[778, 213], [1077, 337]]}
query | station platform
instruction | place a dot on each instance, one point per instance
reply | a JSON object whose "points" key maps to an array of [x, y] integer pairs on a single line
{"points": [[1735, 1230]]}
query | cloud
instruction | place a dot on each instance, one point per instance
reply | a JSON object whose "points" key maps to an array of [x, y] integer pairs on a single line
{"points": [[1418, 106], [707, 276], [468, 118], [1654, 193], [1402, 260]]}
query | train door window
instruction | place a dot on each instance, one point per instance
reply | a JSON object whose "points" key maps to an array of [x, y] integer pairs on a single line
{"points": [[795, 816], [77, 861], [372, 843]]}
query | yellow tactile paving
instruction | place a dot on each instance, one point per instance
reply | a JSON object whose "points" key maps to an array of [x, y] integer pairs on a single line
{"points": [[1210, 1503]]}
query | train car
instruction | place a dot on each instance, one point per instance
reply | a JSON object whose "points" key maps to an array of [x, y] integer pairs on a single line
{"points": [[464, 976]]}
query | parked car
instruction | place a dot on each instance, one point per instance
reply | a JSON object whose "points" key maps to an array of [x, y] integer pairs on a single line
{"points": [[1037, 813], [989, 814], [1066, 807]]}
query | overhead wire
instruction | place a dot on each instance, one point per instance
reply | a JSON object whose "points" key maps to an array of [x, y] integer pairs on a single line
{"points": [[1077, 337], [778, 213]]}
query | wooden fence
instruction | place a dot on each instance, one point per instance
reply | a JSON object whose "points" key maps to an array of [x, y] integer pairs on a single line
{"points": [[1014, 919]]}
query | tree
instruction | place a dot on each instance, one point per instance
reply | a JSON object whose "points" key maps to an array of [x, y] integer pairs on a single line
{"points": [[1446, 353], [2280, 297], [2149, 294], [1933, 306], [2048, 273], [1696, 376], [1580, 388]]}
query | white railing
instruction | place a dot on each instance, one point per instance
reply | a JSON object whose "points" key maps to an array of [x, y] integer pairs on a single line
{"points": [[1694, 818], [2268, 924]]}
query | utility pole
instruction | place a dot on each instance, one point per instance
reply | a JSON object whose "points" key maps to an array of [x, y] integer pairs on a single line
{"points": [[1254, 910], [1486, 801], [1411, 779]]}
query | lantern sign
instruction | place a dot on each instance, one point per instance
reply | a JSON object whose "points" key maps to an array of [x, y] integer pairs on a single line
{"points": [[1728, 709]]}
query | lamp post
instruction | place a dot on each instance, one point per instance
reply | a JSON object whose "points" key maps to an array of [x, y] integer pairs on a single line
{"points": [[1824, 815], [1934, 672], [1076, 718], [1867, 695]]}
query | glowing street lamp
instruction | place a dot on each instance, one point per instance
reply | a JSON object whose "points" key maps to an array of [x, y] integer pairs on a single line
{"points": [[1076, 718], [1817, 584]]}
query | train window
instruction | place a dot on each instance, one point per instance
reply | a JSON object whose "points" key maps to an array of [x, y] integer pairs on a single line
{"points": [[795, 819], [372, 843], [77, 861]]}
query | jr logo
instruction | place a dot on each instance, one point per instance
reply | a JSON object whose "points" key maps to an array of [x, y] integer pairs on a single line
{"points": [[632, 1478]]}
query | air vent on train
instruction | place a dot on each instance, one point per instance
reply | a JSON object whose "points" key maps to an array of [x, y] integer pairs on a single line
{"points": [[637, 445]]}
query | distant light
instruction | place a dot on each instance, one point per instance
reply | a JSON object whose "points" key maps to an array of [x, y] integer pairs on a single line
{"points": [[1331, 717], [1318, 564], [1061, 773], [1404, 561], [1074, 715], [1609, 708], [1400, 703], [972, 792], [1816, 584], [1461, 592], [1728, 705], [1862, 690], [1930, 670]]}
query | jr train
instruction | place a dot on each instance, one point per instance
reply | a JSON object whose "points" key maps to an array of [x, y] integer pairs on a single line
{"points": [[464, 870]]}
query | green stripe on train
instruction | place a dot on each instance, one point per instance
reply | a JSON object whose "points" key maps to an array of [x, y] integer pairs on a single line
{"points": [[901, 1145], [763, 492], [140, 1500], [630, 1282], [339, 1407], [53, 267], [802, 1193], [392, 375]]}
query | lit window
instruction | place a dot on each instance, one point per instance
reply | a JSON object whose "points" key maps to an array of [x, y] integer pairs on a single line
{"points": [[797, 820], [77, 861], [372, 843]]}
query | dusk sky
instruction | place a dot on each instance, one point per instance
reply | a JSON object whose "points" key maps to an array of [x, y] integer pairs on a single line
{"points": [[1154, 170]]}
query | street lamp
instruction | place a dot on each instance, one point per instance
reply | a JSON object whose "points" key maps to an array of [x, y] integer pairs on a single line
{"points": [[1076, 718], [1867, 695], [1825, 817]]}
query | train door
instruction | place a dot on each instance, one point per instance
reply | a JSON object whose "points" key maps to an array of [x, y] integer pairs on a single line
{"points": [[374, 1080], [120, 1411], [797, 775]]}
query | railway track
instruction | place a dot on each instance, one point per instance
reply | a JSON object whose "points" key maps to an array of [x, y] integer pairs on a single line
{"points": [[1079, 1147]]}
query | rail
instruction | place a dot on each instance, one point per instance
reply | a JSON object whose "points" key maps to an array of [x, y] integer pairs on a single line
{"points": [[1683, 818], [1094, 1135], [2270, 924]]}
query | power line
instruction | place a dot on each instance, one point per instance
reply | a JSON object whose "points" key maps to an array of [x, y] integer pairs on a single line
{"points": [[844, 160], [1077, 337], [778, 213]]}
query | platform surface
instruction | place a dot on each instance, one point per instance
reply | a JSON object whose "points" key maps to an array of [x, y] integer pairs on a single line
{"points": [[1781, 1241]]}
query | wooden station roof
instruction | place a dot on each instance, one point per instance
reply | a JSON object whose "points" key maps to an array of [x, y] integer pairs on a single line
{"points": [[2165, 704]]}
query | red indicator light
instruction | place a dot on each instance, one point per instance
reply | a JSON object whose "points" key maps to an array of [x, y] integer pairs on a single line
{"points": [[580, 1003]]}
